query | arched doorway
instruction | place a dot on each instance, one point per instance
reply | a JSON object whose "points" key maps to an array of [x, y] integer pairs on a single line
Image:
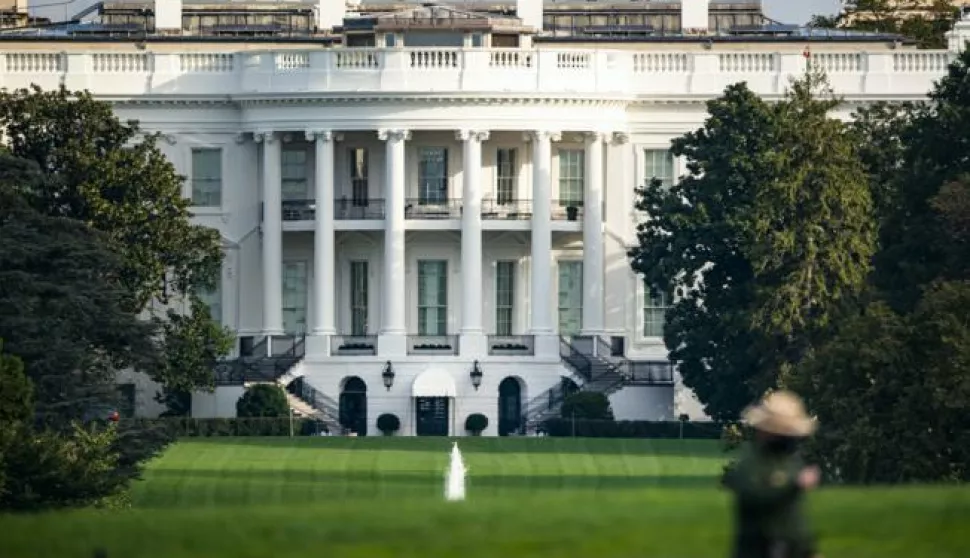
{"points": [[509, 406], [353, 405]]}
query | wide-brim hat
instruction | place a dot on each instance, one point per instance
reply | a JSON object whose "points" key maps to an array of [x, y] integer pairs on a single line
{"points": [[781, 413]]}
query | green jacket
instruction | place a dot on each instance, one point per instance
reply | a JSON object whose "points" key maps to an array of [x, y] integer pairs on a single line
{"points": [[769, 516]]}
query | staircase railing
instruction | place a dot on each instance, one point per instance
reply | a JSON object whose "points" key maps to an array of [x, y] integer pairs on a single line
{"points": [[286, 361], [316, 399], [619, 363], [546, 403], [575, 360]]}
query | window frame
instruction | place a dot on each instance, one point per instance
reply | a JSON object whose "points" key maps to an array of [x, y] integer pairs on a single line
{"points": [[197, 190], [505, 305], [578, 309], [572, 160], [440, 305]]}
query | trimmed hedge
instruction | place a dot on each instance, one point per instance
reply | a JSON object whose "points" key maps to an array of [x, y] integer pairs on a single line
{"points": [[585, 428], [186, 427]]}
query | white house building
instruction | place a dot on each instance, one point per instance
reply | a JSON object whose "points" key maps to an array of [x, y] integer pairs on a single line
{"points": [[426, 208]]}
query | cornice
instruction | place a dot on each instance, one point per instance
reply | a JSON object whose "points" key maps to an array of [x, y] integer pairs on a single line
{"points": [[459, 99]]}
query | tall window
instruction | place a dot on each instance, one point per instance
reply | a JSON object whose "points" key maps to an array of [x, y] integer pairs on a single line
{"points": [[358, 298], [654, 309], [572, 175], [294, 297], [504, 297], [358, 176], [294, 173], [213, 299], [570, 297], [658, 163], [506, 176], [433, 175], [432, 297], [207, 177]]}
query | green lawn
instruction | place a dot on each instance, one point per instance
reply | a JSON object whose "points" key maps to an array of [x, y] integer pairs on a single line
{"points": [[382, 497]]}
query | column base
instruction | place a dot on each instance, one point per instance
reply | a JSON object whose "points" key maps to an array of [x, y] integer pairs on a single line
{"points": [[473, 344], [317, 345], [546, 345], [392, 345]]}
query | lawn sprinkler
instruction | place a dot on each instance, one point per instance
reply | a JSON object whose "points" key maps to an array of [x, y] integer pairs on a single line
{"points": [[455, 477]]}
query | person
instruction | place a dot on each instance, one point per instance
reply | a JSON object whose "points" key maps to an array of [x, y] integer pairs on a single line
{"points": [[769, 482]]}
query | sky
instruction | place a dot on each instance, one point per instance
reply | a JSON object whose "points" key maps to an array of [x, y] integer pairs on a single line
{"points": [[798, 11]]}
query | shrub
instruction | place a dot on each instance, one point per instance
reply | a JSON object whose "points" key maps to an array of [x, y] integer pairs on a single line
{"points": [[186, 427], [587, 405], [263, 400], [16, 391], [476, 423], [564, 427], [388, 423]]}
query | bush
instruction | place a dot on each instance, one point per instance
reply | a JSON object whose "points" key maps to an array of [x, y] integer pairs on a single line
{"points": [[16, 391], [388, 423], [476, 423], [185, 427], [587, 405], [563, 427], [263, 400]]}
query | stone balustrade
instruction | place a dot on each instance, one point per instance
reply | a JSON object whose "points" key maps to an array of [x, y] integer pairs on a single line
{"points": [[891, 74]]}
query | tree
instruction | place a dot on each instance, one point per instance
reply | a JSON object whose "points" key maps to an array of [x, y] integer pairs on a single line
{"points": [[112, 176], [761, 245], [925, 23], [16, 392], [263, 400]]}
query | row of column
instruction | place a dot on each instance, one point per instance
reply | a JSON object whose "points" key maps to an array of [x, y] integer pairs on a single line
{"points": [[394, 293]]}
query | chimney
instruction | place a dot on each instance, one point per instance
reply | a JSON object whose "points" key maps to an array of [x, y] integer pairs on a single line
{"points": [[530, 13], [694, 17], [330, 14], [168, 16]]}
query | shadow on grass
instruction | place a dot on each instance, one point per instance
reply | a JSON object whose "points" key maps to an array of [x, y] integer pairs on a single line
{"points": [[469, 445]]}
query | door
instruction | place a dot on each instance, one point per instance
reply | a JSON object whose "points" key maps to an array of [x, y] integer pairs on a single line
{"points": [[432, 416], [353, 406], [509, 406]]}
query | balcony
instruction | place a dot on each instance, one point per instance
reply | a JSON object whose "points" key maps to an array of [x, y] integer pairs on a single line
{"points": [[436, 210], [507, 210], [299, 210], [501, 71], [511, 345], [651, 373], [567, 210], [353, 345], [351, 209], [432, 345]]}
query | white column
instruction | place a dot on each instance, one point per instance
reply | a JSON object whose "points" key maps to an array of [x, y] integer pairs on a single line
{"points": [[393, 340], [542, 324], [272, 229], [618, 301], [473, 342], [324, 261], [593, 263]]}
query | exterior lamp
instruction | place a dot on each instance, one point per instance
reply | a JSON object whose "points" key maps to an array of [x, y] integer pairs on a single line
{"points": [[476, 375], [388, 376]]}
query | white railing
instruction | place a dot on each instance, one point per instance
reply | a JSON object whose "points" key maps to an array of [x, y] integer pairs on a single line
{"points": [[492, 71]]}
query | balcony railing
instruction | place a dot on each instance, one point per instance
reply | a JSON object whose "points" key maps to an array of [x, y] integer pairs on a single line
{"points": [[299, 210], [353, 345], [644, 372], [567, 210], [417, 208], [507, 210], [350, 209], [432, 344], [511, 345]]}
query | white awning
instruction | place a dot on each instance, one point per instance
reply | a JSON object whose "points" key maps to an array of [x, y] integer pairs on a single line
{"points": [[434, 383]]}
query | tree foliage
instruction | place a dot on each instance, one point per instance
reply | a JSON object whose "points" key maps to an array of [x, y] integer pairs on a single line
{"points": [[16, 392], [760, 244], [926, 23], [263, 400]]}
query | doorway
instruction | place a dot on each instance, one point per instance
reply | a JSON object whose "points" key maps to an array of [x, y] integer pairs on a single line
{"points": [[432, 416], [353, 406], [509, 406]]}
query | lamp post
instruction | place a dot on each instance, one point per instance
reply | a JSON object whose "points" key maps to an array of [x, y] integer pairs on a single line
{"points": [[388, 375], [476, 375]]}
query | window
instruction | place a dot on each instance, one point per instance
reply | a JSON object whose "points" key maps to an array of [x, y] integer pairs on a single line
{"points": [[358, 298], [213, 299], [358, 176], [433, 175], [478, 41], [390, 40], [506, 176], [570, 297], [654, 308], [432, 297], [658, 163], [572, 175], [504, 297], [207, 177], [294, 297], [293, 173]]}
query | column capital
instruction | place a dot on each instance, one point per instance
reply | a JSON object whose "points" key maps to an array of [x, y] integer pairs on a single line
{"points": [[620, 138], [240, 137], [323, 135], [591, 137], [539, 135], [474, 135], [265, 136], [393, 135]]}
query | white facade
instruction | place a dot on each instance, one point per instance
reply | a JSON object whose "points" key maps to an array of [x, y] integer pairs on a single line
{"points": [[411, 205]]}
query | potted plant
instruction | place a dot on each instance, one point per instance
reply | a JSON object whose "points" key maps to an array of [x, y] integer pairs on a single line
{"points": [[388, 424], [476, 423], [572, 212]]}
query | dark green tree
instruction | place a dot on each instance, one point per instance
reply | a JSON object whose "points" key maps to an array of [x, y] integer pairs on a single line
{"points": [[112, 176], [263, 400], [16, 392], [927, 26], [761, 245]]}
